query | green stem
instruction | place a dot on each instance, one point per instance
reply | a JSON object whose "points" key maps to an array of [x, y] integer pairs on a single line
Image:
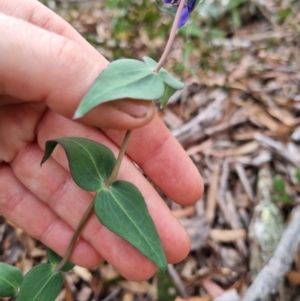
{"points": [[84, 219], [171, 37], [119, 159]]}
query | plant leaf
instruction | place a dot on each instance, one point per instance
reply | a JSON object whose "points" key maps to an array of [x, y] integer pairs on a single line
{"points": [[165, 76], [122, 210], [286, 199], [55, 259], [171, 84], [149, 61], [168, 79], [91, 163], [278, 184], [10, 280], [168, 93], [298, 175], [167, 9], [41, 284], [125, 78], [196, 3], [166, 289]]}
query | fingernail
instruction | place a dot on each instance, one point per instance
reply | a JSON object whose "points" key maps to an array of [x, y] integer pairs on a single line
{"points": [[135, 108]]}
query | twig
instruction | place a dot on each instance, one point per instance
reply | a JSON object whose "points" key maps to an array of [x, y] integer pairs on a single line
{"points": [[177, 280], [244, 180], [236, 222], [221, 235], [193, 129], [222, 189], [225, 175], [113, 294], [279, 148], [212, 194], [238, 117], [268, 279]]}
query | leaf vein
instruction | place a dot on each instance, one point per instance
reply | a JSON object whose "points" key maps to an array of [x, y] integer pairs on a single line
{"points": [[89, 154], [129, 217]]}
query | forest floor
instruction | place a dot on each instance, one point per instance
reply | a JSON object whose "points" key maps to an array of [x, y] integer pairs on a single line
{"points": [[238, 118]]}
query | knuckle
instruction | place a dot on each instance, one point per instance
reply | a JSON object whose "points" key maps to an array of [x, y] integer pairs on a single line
{"points": [[66, 51]]}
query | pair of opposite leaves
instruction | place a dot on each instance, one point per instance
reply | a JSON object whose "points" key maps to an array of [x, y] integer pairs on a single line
{"points": [[121, 208], [42, 282]]}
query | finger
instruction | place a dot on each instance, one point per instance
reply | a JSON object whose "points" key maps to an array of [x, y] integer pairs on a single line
{"points": [[69, 74], [17, 127], [155, 150], [27, 212], [36, 13], [69, 202], [163, 159]]}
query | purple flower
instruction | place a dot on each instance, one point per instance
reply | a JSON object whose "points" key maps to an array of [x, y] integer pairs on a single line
{"points": [[188, 8]]}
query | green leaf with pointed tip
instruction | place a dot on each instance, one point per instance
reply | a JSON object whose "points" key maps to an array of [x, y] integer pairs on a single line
{"points": [[91, 163], [125, 78], [171, 84], [166, 289], [149, 62], [171, 81], [196, 3], [41, 284], [55, 259], [168, 93], [10, 280], [122, 210], [165, 76]]}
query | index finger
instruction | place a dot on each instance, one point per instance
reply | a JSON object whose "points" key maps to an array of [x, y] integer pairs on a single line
{"points": [[163, 159], [36, 13]]}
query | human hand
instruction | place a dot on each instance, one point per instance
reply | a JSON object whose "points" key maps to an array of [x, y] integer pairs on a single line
{"points": [[45, 70]]}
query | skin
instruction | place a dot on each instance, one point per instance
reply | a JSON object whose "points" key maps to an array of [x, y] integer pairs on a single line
{"points": [[46, 67]]}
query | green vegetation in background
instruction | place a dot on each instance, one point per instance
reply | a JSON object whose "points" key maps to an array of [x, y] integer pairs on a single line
{"points": [[281, 196], [132, 19], [135, 23]]}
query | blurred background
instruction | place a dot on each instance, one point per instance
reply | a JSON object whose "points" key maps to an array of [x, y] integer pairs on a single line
{"points": [[238, 118]]}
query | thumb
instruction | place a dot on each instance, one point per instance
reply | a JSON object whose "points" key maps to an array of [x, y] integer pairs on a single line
{"points": [[37, 65]]}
